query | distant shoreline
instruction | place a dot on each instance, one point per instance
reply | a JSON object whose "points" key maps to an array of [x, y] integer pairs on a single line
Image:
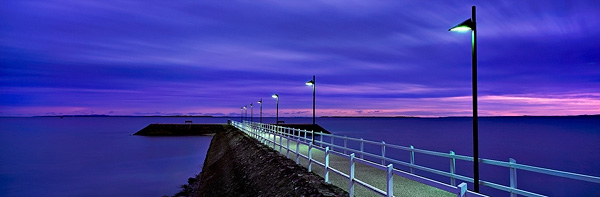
{"points": [[233, 117]]}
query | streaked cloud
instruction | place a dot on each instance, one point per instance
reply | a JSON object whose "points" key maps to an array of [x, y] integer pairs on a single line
{"points": [[386, 57]]}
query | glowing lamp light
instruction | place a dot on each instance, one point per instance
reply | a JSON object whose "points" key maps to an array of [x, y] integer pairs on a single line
{"points": [[275, 96], [310, 83], [461, 29], [465, 26]]}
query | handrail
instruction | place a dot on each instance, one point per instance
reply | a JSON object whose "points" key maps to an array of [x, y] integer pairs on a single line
{"points": [[258, 130], [301, 135]]}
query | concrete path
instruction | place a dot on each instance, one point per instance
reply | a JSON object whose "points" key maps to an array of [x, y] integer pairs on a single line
{"points": [[365, 173]]}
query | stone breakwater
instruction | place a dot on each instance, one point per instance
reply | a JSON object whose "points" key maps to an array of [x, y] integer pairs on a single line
{"points": [[237, 165], [180, 129]]}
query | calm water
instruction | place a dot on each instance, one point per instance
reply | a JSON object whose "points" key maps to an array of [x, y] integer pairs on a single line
{"points": [[99, 157], [94, 157]]}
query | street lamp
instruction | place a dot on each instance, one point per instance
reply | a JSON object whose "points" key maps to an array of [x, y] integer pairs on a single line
{"points": [[260, 110], [276, 96], [251, 113], [245, 112], [470, 24], [312, 83], [241, 114]]}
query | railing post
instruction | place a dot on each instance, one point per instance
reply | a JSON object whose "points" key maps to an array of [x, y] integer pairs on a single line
{"points": [[390, 181], [297, 151], [382, 153], [321, 141], [345, 144], [261, 134], [331, 137], [287, 148], [351, 180], [312, 136], [513, 176], [362, 145], [326, 164], [412, 159], [452, 168], [280, 142], [461, 190], [309, 157], [305, 131], [274, 138]]}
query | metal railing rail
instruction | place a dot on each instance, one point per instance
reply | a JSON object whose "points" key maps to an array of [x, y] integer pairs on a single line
{"points": [[303, 136], [268, 135]]}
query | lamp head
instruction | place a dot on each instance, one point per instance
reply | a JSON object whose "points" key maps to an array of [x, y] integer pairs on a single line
{"points": [[464, 26], [310, 83], [260, 101], [275, 96]]}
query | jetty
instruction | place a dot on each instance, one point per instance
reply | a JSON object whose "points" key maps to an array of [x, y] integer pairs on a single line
{"points": [[356, 178], [239, 164], [319, 163], [180, 129]]}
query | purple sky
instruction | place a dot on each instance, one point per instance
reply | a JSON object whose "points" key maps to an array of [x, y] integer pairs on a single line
{"points": [[374, 58]]}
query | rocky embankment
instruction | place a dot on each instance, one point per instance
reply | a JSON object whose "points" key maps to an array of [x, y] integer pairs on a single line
{"points": [[180, 129], [237, 165]]}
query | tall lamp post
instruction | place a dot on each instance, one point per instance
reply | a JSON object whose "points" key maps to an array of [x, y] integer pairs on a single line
{"points": [[312, 83], [260, 110], [470, 24], [245, 112], [251, 113], [241, 114], [276, 96]]}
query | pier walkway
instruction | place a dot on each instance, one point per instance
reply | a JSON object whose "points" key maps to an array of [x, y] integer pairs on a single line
{"points": [[358, 176], [365, 173], [366, 167]]}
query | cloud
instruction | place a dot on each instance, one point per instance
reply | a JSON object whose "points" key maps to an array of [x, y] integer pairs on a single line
{"points": [[394, 57]]}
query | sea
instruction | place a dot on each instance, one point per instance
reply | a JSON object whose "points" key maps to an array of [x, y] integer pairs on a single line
{"points": [[99, 156]]}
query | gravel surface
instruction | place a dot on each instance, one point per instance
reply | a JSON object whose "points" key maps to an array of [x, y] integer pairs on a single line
{"points": [[237, 165]]}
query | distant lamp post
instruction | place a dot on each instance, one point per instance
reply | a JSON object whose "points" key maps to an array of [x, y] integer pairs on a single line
{"points": [[312, 83], [260, 102], [241, 114], [276, 96], [251, 113], [245, 113], [470, 24]]}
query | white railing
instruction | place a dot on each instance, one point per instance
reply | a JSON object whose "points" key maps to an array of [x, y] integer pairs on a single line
{"points": [[258, 130], [268, 134]]}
